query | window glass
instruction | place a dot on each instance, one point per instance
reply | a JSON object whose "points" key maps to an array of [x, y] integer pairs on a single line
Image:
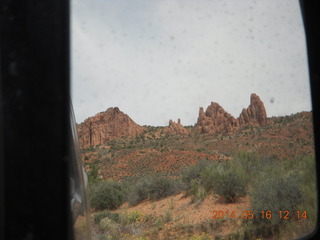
{"points": [[194, 118]]}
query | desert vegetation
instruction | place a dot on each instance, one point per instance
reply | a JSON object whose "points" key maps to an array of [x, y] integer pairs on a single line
{"points": [[271, 185], [157, 185], [154, 152]]}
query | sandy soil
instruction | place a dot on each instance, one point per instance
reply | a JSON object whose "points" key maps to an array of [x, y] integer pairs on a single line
{"points": [[185, 213]]}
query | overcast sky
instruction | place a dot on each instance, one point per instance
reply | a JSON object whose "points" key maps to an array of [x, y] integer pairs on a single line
{"points": [[163, 59]]}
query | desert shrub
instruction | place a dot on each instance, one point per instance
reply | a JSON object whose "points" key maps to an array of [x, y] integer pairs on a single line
{"points": [[246, 230], [112, 228], [278, 192], [249, 161], [171, 204], [270, 160], [231, 185], [309, 187], [127, 218], [227, 179], [88, 149], [161, 187], [193, 172], [197, 191], [209, 175], [159, 223], [167, 217], [134, 216], [113, 216], [106, 159], [107, 195], [138, 192], [281, 185], [250, 166], [93, 174], [203, 236], [306, 166], [152, 187]]}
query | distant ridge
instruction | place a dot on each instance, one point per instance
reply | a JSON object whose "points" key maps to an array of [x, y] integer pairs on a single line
{"points": [[113, 123]]}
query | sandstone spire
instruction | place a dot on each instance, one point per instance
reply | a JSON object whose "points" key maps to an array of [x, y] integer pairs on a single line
{"points": [[216, 120], [256, 112]]}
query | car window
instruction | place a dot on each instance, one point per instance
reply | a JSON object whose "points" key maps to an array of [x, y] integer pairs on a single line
{"points": [[194, 118]]}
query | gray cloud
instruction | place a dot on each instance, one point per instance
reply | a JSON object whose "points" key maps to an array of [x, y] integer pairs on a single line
{"points": [[160, 60]]}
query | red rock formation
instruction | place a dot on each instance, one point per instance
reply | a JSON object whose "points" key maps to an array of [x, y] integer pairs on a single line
{"points": [[175, 128], [255, 113], [216, 120], [105, 126]]}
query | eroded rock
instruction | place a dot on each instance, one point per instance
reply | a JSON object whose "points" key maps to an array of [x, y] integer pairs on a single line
{"points": [[216, 120], [106, 126]]}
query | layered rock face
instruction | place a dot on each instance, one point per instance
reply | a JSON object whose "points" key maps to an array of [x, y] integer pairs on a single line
{"points": [[175, 128], [105, 126], [216, 120]]}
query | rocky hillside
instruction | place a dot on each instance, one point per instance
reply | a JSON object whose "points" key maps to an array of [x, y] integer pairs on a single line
{"points": [[216, 120], [114, 124], [115, 148], [106, 126], [154, 151]]}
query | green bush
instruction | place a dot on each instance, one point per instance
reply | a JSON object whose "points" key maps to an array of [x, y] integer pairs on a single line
{"points": [[111, 228], [309, 188], [230, 185], [278, 192], [197, 191], [250, 165], [159, 223], [134, 216], [193, 172], [161, 187], [138, 192], [228, 179], [280, 185], [167, 217], [153, 188], [209, 176], [93, 174], [113, 216], [107, 195], [249, 161]]}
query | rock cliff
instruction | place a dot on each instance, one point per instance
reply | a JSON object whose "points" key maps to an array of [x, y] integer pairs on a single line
{"points": [[105, 126], [216, 120]]}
